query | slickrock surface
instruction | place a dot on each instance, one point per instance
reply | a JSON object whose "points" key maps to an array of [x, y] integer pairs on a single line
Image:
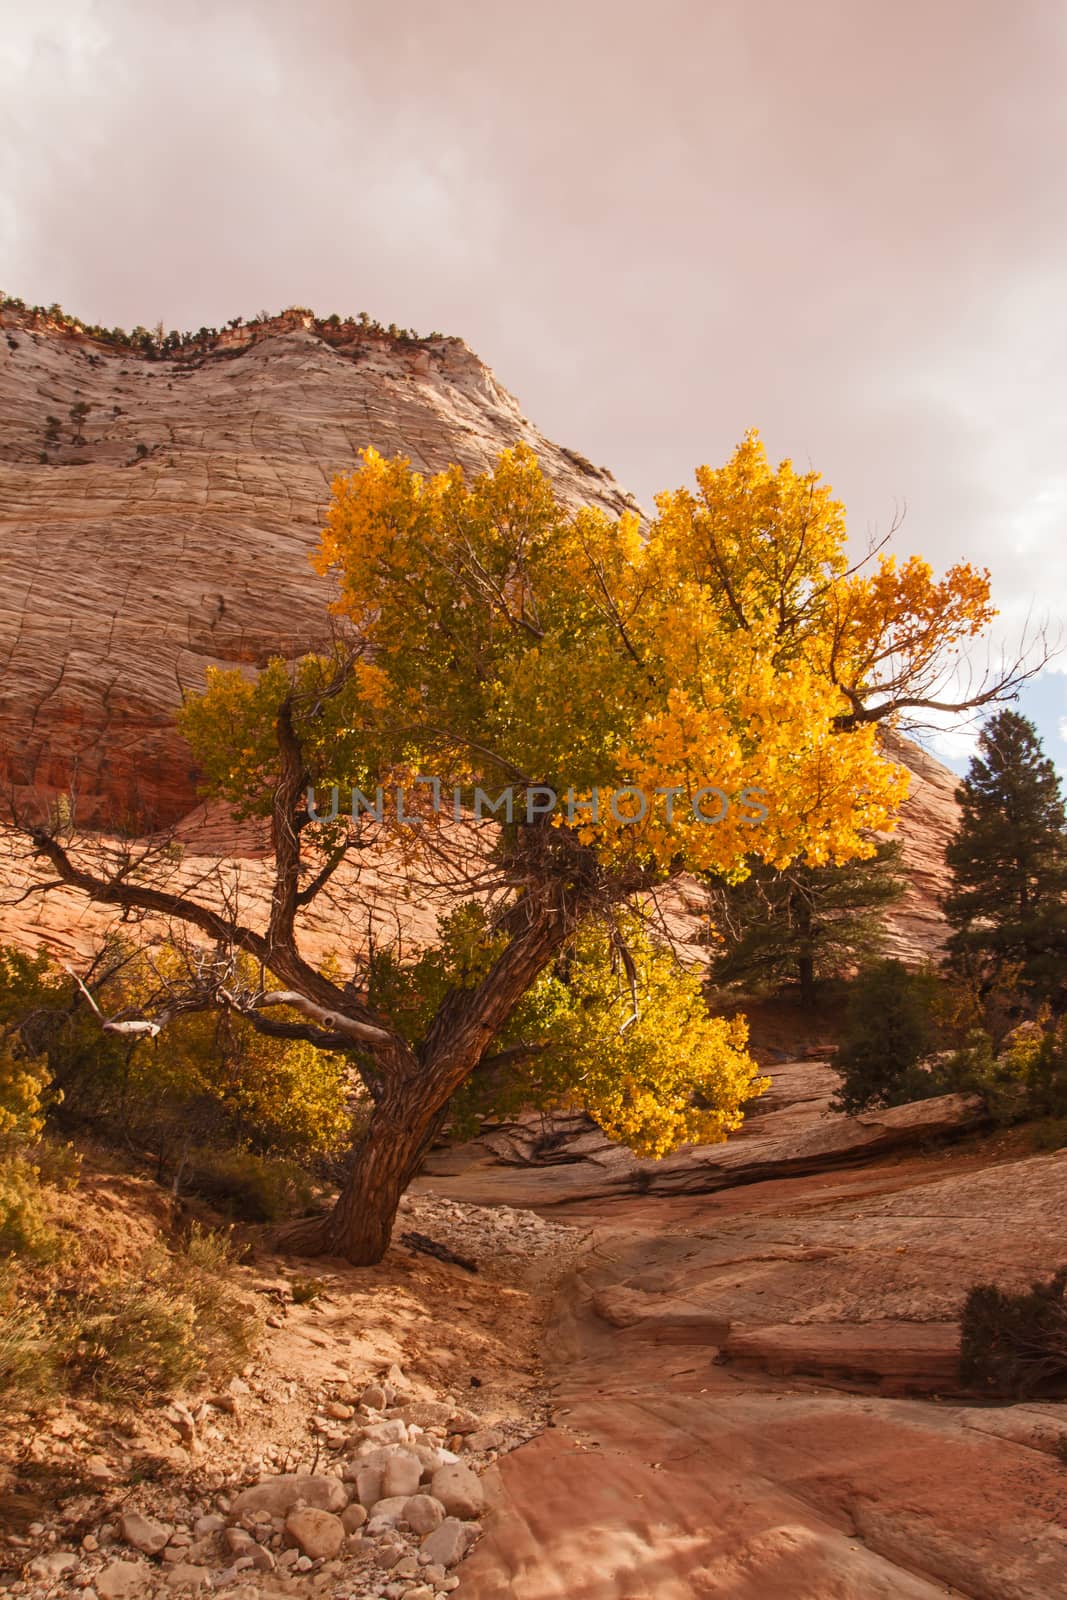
{"points": [[734, 1378], [567, 1159], [177, 535]]}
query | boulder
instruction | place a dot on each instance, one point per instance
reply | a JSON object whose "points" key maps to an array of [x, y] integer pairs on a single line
{"points": [[319, 1534], [144, 1533], [387, 1513], [423, 1513], [459, 1490], [447, 1545], [278, 1496], [402, 1474]]}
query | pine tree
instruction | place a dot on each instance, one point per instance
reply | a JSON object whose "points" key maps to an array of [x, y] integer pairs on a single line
{"points": [[805, 924], [1008, 901]]}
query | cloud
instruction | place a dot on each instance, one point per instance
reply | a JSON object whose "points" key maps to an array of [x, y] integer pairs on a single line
{"points": [[838, 223]]}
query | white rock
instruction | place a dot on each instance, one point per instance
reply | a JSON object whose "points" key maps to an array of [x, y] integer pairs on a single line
{"points": [[319, 1534], [447, 1545], [423, 1513], [278, 1496], [459, 1490], [392, 1431]]}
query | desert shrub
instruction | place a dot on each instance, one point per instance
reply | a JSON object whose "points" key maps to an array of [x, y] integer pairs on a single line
{"points": [[210, 1249], [23, 1087], [247, 1186], [1025, 1079], [58, 1164], [152, 1332], [1015, 1344], [208, 1079], [25, 1229], [26, 1358], [890, 1029], [1050, 1133]]}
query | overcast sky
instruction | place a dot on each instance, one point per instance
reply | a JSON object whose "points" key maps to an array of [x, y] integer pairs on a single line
{"points": [[844, 223]]}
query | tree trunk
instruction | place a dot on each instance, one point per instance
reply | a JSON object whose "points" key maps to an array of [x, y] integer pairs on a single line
{"points": [[418, 1086], [806, 952], [806, 968], [385, 1160]]}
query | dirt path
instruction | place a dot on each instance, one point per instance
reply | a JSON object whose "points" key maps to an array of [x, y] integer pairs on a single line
{"points": [[734, 1381]]}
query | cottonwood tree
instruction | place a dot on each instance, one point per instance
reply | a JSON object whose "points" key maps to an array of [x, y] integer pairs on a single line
{"points": [[728, 669]]}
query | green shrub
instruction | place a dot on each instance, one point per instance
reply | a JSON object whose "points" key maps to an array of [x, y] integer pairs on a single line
{"points": [[1026, 1079], [890, 1027], [249, 1187], [1015, 1344], [26, 1356], [151, 1333]]}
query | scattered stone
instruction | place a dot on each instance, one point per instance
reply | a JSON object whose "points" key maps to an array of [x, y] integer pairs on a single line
{"points": [[53, 1565], [353, 1517], [319, 1534], [485, 1439], [373, 1397], [447, 1545], [459, 1490], [391, 1431], [211, 1523], [368, 1486], [423, 1513], [338, 1411], [278, 1496], [186, 1576], [387, 1513], [123, 1580], [402, 1474], [144, 1533]]}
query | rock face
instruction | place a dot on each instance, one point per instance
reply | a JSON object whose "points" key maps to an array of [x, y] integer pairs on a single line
{"points": [[175, 533], [929, 817], [800, 1137], [168, 529]]}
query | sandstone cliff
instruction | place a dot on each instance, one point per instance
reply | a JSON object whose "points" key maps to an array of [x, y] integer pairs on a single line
{"points": [[169, 528], [156, 516]]}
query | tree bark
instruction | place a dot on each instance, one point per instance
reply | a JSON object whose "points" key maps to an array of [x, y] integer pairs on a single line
{"points": [[416, 1089], [385, 1160]]}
